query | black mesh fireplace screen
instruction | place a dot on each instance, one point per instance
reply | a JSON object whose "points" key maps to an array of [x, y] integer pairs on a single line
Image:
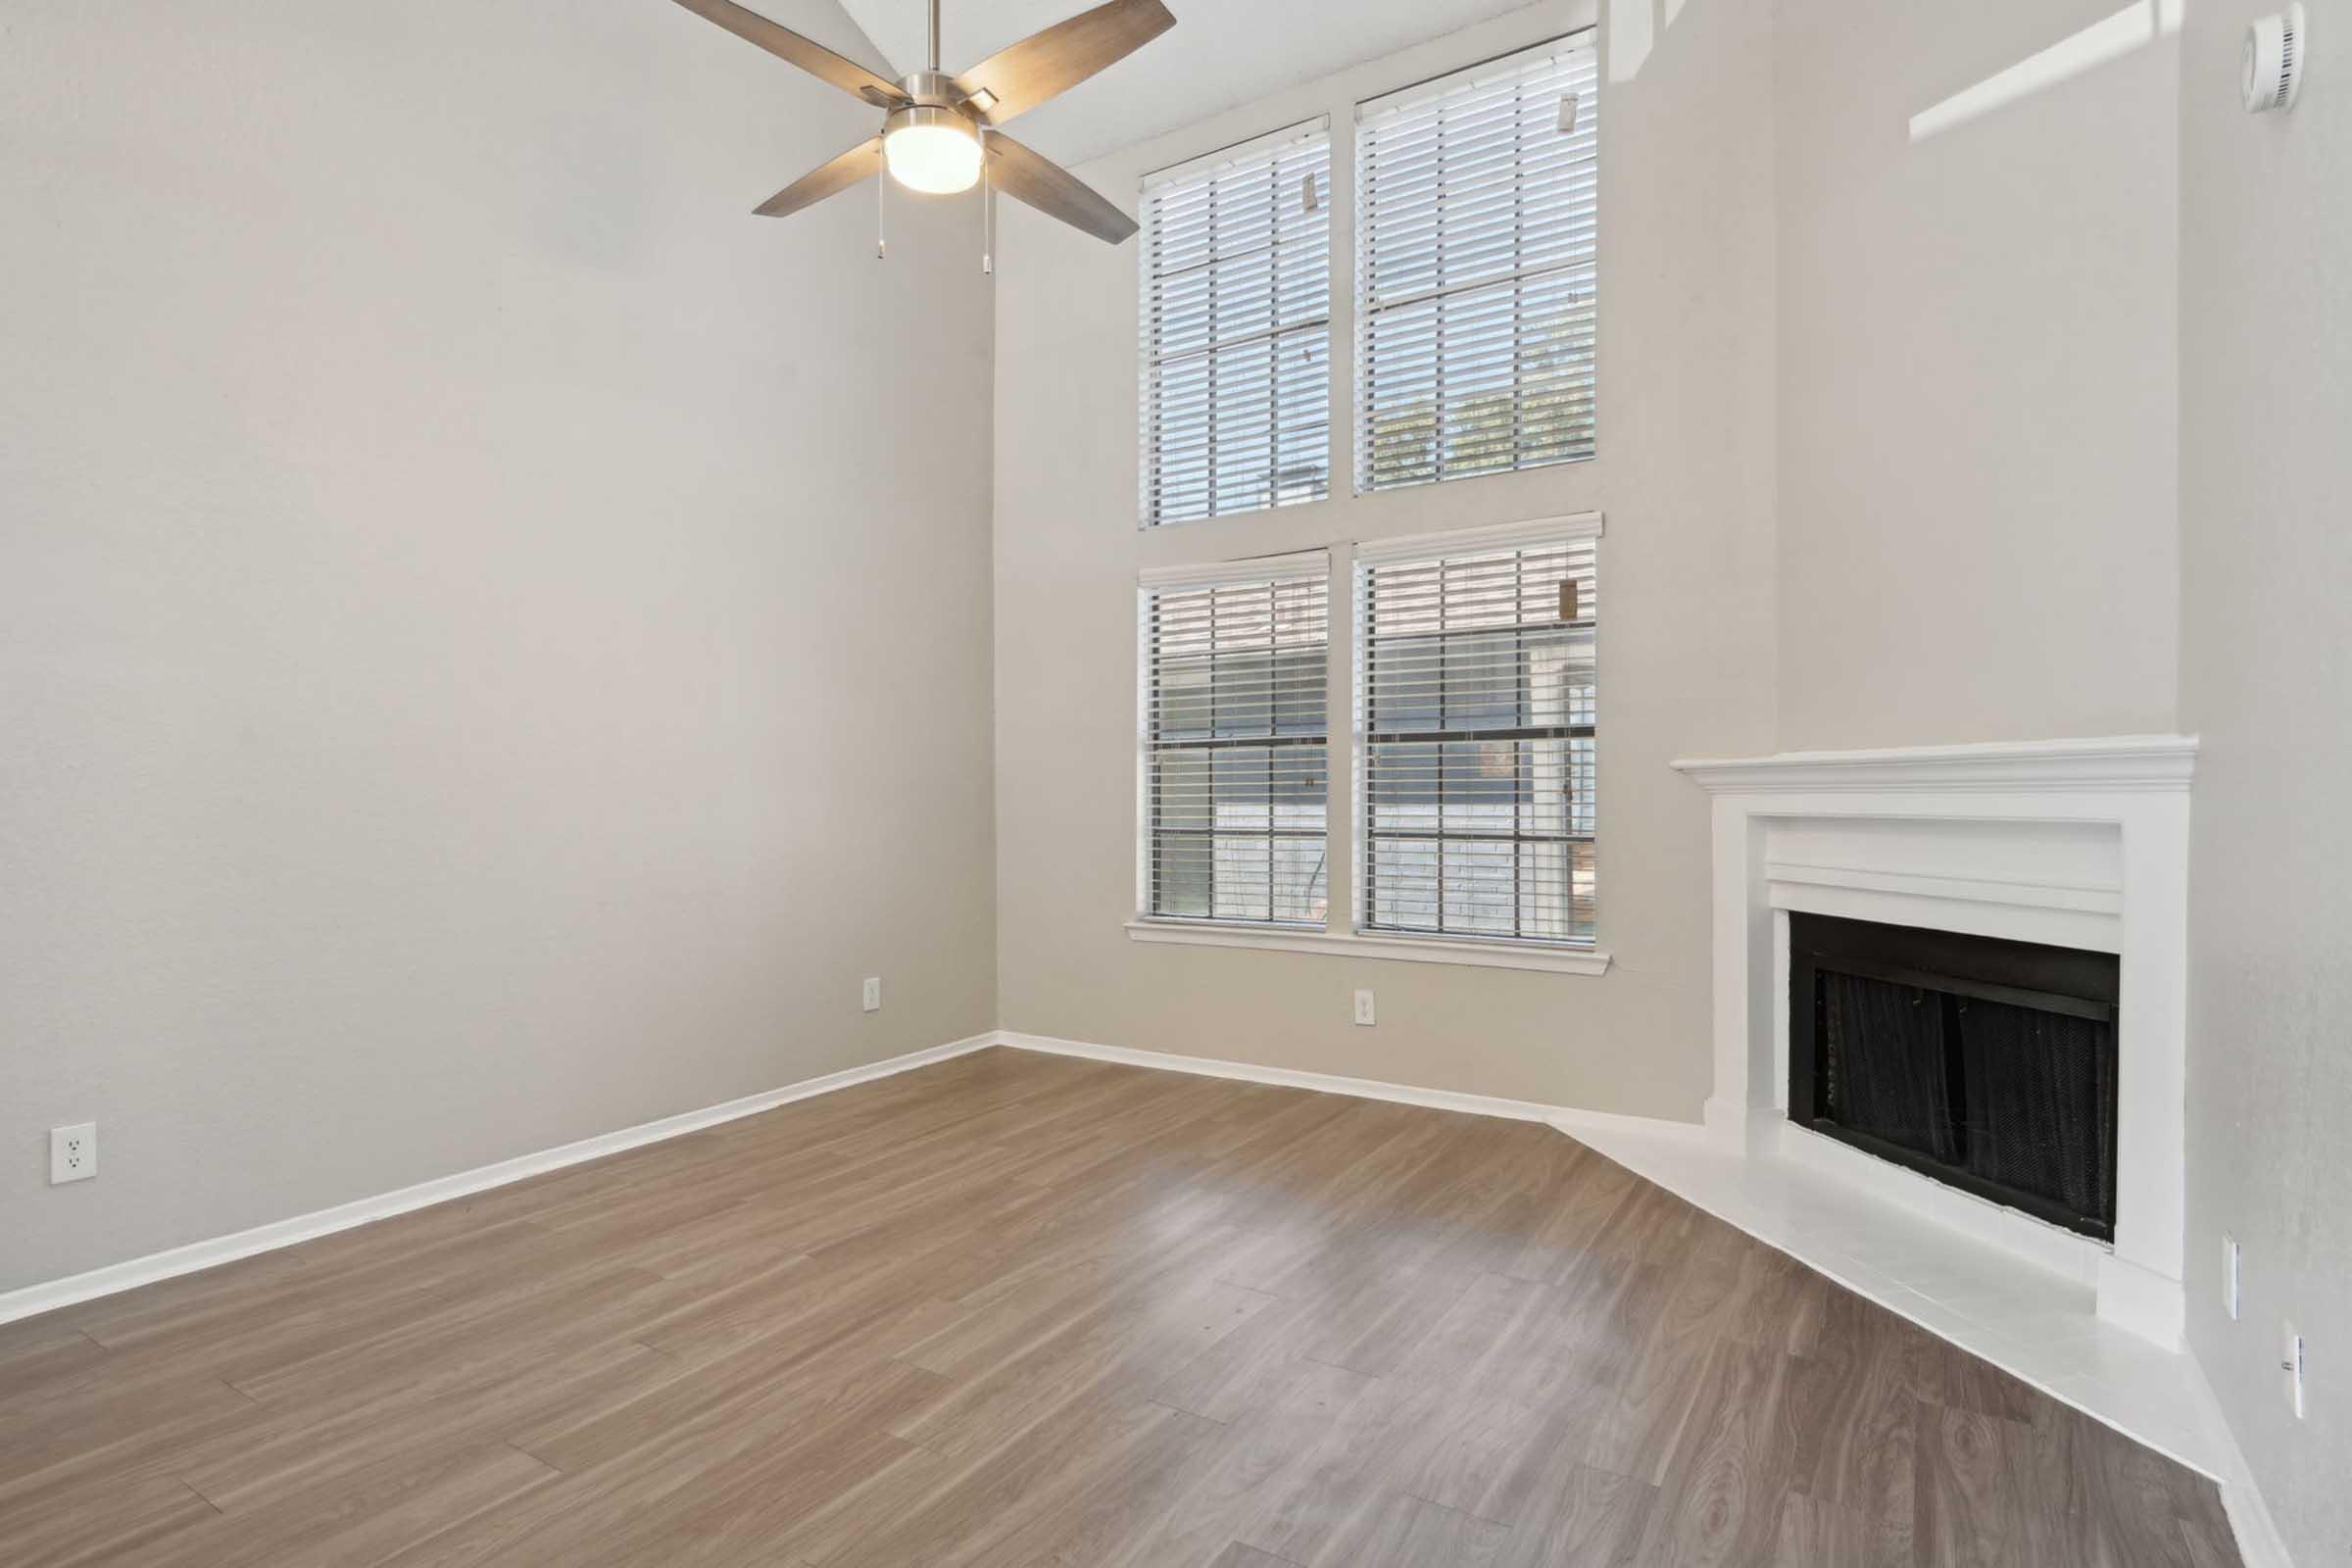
{"points": [[1988, 1064]]}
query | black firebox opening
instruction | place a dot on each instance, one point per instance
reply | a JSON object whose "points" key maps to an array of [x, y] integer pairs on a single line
{"points": [[1985, 1063]]}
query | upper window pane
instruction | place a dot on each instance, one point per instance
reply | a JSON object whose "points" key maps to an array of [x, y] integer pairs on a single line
{"points": [[1235, 316], [1477, 269]]}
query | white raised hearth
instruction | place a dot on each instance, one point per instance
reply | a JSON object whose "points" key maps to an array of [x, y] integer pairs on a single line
{"points": [[2080, 844]]}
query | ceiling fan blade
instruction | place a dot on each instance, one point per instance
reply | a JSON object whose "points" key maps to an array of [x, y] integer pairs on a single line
{"points": [[1053, 190], [861, 162], [806, 53], [1053, 60]]}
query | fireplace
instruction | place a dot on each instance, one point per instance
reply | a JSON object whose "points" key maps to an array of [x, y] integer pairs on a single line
{"points": [[1987, 1064], [2077, 844]]}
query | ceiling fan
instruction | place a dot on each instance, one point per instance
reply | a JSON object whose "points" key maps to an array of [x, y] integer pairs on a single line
{"points": [[939, 131]]}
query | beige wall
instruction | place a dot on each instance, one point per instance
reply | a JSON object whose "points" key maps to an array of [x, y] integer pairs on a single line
{"points": [[490, 649], [1684, 477], [2266, 681], [1886, 454], [1976, 381]]}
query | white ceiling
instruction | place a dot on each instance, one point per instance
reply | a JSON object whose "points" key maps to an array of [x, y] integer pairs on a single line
{"points": [[1219, 54]]}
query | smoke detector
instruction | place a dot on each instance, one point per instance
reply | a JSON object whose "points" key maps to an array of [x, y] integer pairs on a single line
{"points": [[2273, 63]]}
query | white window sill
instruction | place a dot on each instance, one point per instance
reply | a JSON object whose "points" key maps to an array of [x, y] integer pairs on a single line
{"points": [[1402, 949]]}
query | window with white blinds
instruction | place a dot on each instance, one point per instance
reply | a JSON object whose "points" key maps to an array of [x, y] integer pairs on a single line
{"points": [[1236, 742], [1477, 269], [1476, 691], [1236, 323]]}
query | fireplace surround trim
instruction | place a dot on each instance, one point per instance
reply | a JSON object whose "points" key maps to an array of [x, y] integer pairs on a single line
{"points": [[2077, 842]]}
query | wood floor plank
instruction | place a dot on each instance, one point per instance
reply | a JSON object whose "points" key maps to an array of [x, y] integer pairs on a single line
{"points": [[1039, 1473], [106, 1518], [63, 1356], [1250, 1471], [865, 1507], [1397, 1530], [132, 1432], [1237, 1555], [1592, 1518], [1814, 1533], [300, 1447], [1120, 1351], [1015, 1309], [1721, 1501], [358, 1517], [1349, 1474]]}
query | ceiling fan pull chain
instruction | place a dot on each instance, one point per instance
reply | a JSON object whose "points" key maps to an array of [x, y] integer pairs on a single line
{"points": [[881, 213], [988, 208]]}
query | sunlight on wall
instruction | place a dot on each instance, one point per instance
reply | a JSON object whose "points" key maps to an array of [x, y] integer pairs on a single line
{"points": [[1633, 32], [2134, 26]]}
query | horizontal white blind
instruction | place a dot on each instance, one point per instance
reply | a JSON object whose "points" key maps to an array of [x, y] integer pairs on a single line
{"points": [[1236, 740], [1475, 681], [1477, 269], [1236, 323]]}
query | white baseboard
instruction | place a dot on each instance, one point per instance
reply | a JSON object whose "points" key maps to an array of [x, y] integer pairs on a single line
{"points": [[2259, 1544], [115, 1277], [1572, 1121], [1289, 1078]]}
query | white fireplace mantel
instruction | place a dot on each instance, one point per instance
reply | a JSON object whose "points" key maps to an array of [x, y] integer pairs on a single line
{"points": [[2081, 842]]}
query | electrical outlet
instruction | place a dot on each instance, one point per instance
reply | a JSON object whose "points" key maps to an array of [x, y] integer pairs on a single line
{"points": [[1363, 1009], [73, 1153], [871, 998], [2292, 1363], [2233, 1276]]}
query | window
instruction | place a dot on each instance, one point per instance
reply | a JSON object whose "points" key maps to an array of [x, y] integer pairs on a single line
{"points": [[1475, 686], [1236, 321], [1477, 269], [1236, 741]]}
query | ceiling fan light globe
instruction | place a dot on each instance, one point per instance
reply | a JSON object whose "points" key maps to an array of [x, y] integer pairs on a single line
{"points": [[936, 157]]}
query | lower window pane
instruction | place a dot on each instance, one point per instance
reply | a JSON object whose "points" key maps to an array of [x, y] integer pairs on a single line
{"points": [[1401, 884], [1486, 837], [1240, 833]]}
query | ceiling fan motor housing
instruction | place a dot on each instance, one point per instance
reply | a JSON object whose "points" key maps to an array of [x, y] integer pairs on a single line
{"points": [[913, 115], [933, 88]]}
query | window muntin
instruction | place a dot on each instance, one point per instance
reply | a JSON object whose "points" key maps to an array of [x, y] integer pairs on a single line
{"points": [[1475, 694], [1235, 330], [1477, 269], [1235, 746]]}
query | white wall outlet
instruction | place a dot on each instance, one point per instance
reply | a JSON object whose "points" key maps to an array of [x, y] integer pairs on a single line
{"points": [[73, 1153], [870, 999], [2233, 1275], [1363, 1009], [2292, 1363]]}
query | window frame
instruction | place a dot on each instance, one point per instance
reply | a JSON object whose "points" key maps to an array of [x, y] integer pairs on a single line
{"points": [[1361, 456], [1344, 935], [1580, 528], [1298, 568], [1313, 132]]}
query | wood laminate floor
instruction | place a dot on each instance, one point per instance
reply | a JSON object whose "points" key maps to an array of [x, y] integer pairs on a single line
{"points": [[1020, 1309]]}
